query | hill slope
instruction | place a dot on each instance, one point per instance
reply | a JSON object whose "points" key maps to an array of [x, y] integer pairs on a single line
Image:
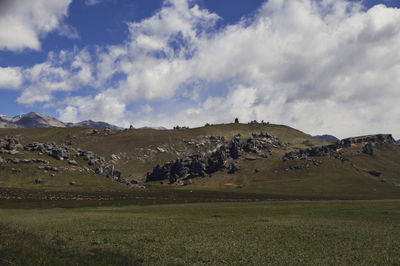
{"points": [[136, 152]]}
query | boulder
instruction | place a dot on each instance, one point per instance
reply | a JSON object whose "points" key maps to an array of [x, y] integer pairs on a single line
{"points": [[374, 173], [16, 170], [368, 149], [72, 183], [1, 160], [38, 181], [217, 160], [233, 168], [235, 147], [72, 162]]}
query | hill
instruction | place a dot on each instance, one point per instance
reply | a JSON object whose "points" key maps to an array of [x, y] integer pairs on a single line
{"points": [[202, 159], [35, 120], [327, 137], [93, 124], [30, 120]]}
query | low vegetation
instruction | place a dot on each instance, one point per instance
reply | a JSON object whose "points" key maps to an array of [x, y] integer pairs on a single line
{"points": [[276, 232], [293, 202]]}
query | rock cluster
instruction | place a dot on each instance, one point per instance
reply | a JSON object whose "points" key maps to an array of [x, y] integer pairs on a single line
{"points": [[17, 161], [10, 143], [335, 149], [91, 157], [379, 138], [257, 143], [48, 168], [194, 166], [185, 168], [60, 152], [109, 171], [329, 150]]}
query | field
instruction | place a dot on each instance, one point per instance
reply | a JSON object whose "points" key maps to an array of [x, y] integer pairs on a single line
{"points": [[270, 212], [256, 233]]}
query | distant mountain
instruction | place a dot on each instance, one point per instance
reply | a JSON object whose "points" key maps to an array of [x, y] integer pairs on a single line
{"points": [[156, 128], [30, 120], [93, 124], [327, 137], [398, 142], [35, 120]]}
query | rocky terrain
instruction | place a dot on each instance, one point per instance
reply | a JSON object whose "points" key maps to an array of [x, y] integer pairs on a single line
{"points": [[184, 169], [365, 145], [253, 156]]}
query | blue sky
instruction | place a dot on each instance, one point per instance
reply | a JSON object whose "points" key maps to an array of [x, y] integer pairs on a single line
{"points": [[319, 66]]}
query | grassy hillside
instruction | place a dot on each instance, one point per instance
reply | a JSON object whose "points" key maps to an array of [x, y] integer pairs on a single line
{"points": [[138, 151], [138, 148]]}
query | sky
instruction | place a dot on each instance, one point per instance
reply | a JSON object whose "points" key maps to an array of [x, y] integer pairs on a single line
{"points": [[320, 66]]}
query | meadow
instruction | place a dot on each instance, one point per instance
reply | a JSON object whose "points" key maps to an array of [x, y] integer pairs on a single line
{"points": [[238, 233]]}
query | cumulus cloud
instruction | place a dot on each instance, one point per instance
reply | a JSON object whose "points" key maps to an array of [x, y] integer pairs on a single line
{"points": [[322, 66], [23, 23], [10, 78], [63, 72]]}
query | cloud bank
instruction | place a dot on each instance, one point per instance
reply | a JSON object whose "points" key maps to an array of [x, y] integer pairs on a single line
{"points": [[326, 66], [23, 23]]}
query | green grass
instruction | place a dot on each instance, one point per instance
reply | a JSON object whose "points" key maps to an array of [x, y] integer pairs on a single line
{"points": [[276, 232]]}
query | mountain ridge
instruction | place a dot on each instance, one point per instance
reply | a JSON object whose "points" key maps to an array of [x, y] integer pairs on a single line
{"points": [[327, 137], [37, 120]]}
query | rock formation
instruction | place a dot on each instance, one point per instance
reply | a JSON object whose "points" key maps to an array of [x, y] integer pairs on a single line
{"points": [[335, 149], [194, 166]]}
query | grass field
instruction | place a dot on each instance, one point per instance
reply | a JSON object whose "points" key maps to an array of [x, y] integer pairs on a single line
{"points": [[269, 212], [258, 233]]}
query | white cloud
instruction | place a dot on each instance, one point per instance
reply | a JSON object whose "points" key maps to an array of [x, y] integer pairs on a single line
{"points": [[68, 31], [92, 2], [10, 78], [321, 66], [62, 72], [102, 107], [23, 23], [69, 114]]}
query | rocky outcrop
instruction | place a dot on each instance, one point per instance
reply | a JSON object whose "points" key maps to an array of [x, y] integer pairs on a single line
{"points": [[262, 144], [330, 150], [51, 149], [217, 160], [185, 168], [109, 171], [368, 149], [335, 149], [194, 166], [379, 138], [10, 143], [91, 157]]}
